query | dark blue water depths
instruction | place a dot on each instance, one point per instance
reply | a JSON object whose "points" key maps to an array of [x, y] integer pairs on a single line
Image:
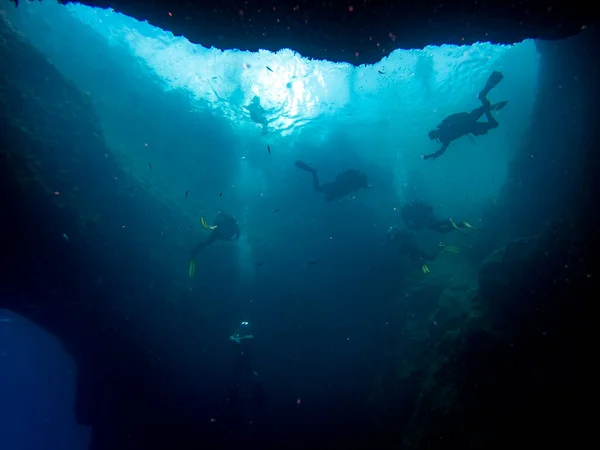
{"points": [[37, 390]]}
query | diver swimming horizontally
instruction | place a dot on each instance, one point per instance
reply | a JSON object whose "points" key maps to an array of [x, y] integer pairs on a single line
{"points": [[344, 183], [465, 124], [225, 228], [405, 243], [418, 215]]}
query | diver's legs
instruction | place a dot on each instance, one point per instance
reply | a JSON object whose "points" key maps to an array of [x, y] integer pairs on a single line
{"points": [[316, 184], [493, 80], [492, 123], [478, 112], [480, 128], [303, 166], [214, 236], [498, 106], [197, 249]]}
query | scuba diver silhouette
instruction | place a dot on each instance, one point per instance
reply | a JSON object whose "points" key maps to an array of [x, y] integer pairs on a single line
{"points": [[418, 215], [258, 113], [405, 243], [465, 124], [344, 183], [246, 396], [225, 228]]}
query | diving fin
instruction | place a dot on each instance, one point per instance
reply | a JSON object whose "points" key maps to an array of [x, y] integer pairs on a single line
{"points": [[304, 166], [456, 227], [498, 106], [495, 78]]}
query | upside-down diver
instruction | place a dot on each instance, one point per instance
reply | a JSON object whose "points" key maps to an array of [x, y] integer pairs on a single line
{"points": [[465, 124]]}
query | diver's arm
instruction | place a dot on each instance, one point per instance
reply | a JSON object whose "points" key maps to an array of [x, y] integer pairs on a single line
{"points": [[440, 152]]}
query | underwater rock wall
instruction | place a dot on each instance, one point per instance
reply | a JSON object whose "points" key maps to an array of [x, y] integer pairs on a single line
{"points": [[76, 256], [517, 370], [544, 181]]}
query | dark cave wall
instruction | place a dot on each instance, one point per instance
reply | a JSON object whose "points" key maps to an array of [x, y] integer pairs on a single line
{"points": [[362, 34], [547, 177], [517, 370], [101, 292], [119, 298]]}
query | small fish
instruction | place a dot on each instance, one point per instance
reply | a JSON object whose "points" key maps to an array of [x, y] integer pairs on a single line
{"points": [[269, 69], [269, 149], [381, 72], [277, 210], [65, 237], [259, 263], [186, 193], [312, 263], [214, 78], [150, 165], [220, 194]]}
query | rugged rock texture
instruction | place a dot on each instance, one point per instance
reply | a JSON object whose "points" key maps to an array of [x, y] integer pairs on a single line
{"points": [[515, 371], [56, 179], [519, 367], [357, 32], [545, 176]]}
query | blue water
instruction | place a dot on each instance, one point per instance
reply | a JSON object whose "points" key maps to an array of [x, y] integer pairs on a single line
{"points": [[320, 336]]}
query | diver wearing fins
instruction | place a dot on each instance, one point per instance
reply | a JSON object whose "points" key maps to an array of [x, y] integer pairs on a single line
{"points": [[225, 228], [465, 124], [344, 183], [246, 396], [405, 243], [418, 215], [258, 114]]}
